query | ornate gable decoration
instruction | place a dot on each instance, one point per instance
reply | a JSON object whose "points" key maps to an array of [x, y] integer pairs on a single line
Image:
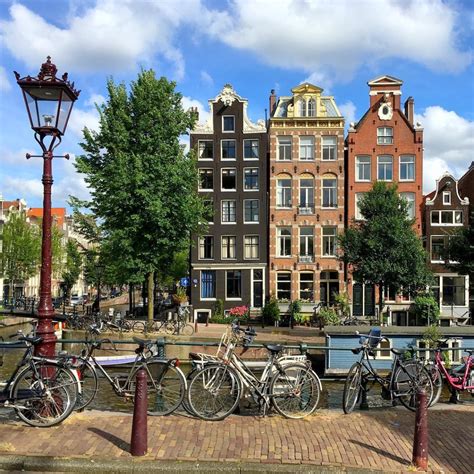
{"points": [[306, 88], [385, 81], [228, 95]]}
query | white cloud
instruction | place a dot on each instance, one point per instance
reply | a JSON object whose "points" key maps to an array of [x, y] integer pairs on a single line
{"points": [[70, 182], [207, 78], [348, 110], [25, 188], [5, 84], [95, 99], [83, 118], [448, 141], [336, 38], [204, 113]]}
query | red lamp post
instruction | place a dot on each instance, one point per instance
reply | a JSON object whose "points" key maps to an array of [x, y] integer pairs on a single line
{"points": [[49, 101]]}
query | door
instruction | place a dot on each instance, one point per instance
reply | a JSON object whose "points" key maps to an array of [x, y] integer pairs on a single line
{"points": [[369, 300], [357, 299]]}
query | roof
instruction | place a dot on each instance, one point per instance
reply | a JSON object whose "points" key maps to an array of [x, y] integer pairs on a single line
{"points": [[58, 213], [385, 81], [8, 204]]}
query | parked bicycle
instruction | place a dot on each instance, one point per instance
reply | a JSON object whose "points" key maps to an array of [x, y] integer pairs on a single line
{"points": [[166, 381], [214, 392], [402, 383], [43, 392]]}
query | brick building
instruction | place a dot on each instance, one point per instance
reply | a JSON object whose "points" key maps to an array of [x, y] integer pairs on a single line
{"points": [[385, 145], [446, 210], [306, 149], [229, 262]]}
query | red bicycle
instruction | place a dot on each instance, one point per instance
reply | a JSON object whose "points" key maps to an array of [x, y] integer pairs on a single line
{"points": [[458, 379]]}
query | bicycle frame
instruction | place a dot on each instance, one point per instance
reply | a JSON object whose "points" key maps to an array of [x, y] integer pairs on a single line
{"points": [[452, 381]]}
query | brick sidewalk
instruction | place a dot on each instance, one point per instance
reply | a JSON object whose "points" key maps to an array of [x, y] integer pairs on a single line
{"points": [[378, 439]]}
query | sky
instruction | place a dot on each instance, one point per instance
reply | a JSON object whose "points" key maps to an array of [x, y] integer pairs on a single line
{"points": [[255, 45]]}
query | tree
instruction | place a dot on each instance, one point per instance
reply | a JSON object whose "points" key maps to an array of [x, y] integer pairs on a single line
{"points": [[20, 249], [73, 266], [460, 251], [383, 248], [143, 186]]}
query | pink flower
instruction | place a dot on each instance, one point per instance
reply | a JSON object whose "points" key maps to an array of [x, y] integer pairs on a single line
{"points": [[238, 311]]}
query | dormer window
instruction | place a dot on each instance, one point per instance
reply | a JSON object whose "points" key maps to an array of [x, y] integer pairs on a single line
{"points": [[302, 108], [311, 108], [446, 198], [228, 123], [384, 135]]}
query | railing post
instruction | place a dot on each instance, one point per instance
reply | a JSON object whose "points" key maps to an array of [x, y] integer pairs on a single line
{"points": [[160, 346], [303, 348], [139, 443], [420, 440]]}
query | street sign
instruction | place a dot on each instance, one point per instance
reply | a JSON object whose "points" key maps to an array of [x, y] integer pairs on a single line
{"points": [[184, 281]]}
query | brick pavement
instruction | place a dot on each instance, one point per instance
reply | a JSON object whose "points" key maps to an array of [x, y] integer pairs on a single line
{"points": [[377, 439]]}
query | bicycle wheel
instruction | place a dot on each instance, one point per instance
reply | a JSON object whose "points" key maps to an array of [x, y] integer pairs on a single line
{"points": [[138, 326], [437, 380], [352, 388], [408, 379], [169, 328], [214, 392], [89, 383], [186, 330], [166, 387], [45, 395], [295, 391]]}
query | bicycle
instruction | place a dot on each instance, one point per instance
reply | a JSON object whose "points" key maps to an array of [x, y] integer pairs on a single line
{"points": [[42, 391], [402, 383], [166, 382], [315, 320], [214, 392]]}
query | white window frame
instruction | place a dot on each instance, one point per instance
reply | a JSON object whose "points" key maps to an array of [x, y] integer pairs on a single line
{"points": [[276, 282], [378, 353], [251, 236], [446, 194], [444, 224], [235, 247], [330, 147], [357, 174], [235, 148], [280, 237], [204, 190], [322, 192], [357, 214], [431, 247], [223, 119], [411, 204], [227, 298], [305, 272], [215, 288], [258, 180], [199, 151], [385, 167], [258, 207], [307, 190], [311, 107], [330, 237], [383, 138], [306, 147], [309, 250], [281, 205], [408, 164], [258, 149], [201, 240], [222, 212], [222, 178], [286, 138]]}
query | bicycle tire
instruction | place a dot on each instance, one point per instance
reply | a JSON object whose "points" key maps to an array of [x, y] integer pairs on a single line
{"points": [[138, 326], [166, 387], [352, 388], [52, 391], [170, 328], [295, 391], [437, 380], [89, 384], [186, 330], [214, 392], [408, 378]]}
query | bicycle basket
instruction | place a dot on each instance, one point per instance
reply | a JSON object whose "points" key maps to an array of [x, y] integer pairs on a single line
{"points": [[375, 337]]}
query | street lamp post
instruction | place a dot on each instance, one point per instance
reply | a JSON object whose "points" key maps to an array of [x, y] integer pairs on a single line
{"points": [[49, 101]]}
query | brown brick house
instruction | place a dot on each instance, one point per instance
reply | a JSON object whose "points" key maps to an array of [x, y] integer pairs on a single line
{"points": [[306, 149]]}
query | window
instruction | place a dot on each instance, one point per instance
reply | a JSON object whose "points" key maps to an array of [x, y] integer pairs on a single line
{"points": [[250, 149], [227, 247], [329, 148], [284, 192], [329, 191], [384, 352], [358, 214], [307, 148], [389, 293], [229, 181], [385, 168], [329, 241], [233, 284], [311, 108], [438, 244], [206, 149], [446, 218], [410, 199], [209, 211], [251, 211], [228, 211], [228, 123], [206, 179], [306, 287], [284, 286], [384, 136], [251, 179], [284, 241], [228, 149], [208, 284], [407, 168], [328, 286], [306, 244], [284, 148], [454, 291], [206, 247], [362, 168], [302, 108], [306, 196], [251, 249], [446, 197]]}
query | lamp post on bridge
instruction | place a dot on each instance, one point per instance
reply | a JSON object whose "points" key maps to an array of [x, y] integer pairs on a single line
{"points": [[49, 101]]}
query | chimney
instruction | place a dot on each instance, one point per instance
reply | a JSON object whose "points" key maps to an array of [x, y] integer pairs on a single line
{"points": [[273, 99], [194, 112], [410, 109]]}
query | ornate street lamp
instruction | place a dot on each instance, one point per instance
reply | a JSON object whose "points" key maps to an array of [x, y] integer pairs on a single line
{"points": [[49, 101]]}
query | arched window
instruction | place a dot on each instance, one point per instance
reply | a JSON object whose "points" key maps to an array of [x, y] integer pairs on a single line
{"points": [[311, 108], [302, 108]]}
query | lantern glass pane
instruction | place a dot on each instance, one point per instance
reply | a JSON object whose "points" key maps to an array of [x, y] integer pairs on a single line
{"points": [[64, 110]]}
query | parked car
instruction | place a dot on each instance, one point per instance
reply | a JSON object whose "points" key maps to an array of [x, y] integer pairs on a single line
{"points": [[76, 300]]}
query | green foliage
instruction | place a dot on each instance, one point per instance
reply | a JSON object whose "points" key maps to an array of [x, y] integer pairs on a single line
{"points": [[461, 250], [432, 335], [221, 319], [20, 250], [342, 303], [181, 296], [218, 310], [383, 248], [295, 311], [271, 311], [329, 317], [73, 266], [426, 308]]}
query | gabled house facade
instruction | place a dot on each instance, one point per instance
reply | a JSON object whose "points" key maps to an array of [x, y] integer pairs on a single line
{"points": [[229, 262], [384, 145]]}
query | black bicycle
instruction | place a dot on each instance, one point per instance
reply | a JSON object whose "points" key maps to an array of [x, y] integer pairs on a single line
{"points": [[402, 383]]}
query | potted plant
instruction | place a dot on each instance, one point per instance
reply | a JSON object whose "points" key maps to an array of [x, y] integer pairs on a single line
{"points": [[180, 297], [271, 311]]}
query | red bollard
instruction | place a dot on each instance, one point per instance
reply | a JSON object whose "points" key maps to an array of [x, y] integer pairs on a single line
{"points": [[420, 441], [139, 444]]}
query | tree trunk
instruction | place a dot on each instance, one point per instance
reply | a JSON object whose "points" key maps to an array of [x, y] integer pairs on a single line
{"points": [[151, 302], [380, 301], [130, 298]]}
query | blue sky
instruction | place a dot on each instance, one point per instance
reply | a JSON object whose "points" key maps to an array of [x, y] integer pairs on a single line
{"points": [[256, 45]]}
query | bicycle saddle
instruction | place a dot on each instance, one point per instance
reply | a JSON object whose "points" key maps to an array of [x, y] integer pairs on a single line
{"points": [[273, 348], [142, 342], [397, 352], [31, 339]]}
